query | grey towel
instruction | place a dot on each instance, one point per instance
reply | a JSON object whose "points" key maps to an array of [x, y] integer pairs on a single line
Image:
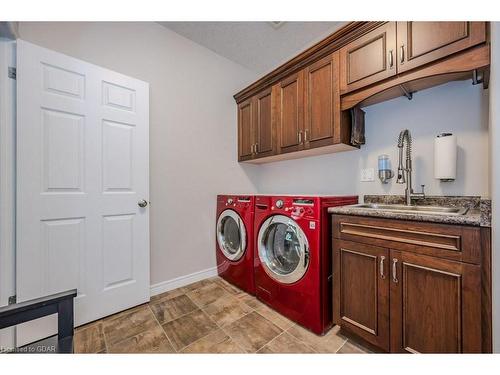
{"points": [[357, 126]]}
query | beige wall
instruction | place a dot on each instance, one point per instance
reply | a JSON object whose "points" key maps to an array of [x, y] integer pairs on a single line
{"points": [[192, 128]]}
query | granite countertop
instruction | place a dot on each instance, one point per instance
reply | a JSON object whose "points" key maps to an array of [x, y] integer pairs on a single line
{"points": [[478, 213]]}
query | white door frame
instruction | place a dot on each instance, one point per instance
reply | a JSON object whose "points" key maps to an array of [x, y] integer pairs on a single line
{"points": [[7, 183]]}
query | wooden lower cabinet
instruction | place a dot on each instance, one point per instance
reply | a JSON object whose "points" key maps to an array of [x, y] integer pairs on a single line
{"points": [[403, 301], [435, 305], [361, 291]]}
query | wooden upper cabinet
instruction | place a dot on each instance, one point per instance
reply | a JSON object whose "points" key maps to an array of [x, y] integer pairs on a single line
{"points": [[435, 305], [290, 113], [361, 290], [322, 102], [265, 144], [256, 130], [419, 43], [302, 106], [245, 130], [368, 59]]}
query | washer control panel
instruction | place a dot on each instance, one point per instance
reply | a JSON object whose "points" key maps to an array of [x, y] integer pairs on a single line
{"points": [[295, 207]]}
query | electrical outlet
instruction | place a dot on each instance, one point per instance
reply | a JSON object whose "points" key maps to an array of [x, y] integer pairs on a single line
{"points": [[367, 174]]}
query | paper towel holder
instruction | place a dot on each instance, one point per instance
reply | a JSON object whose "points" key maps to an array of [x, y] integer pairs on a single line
{"points": [[442, 135]]}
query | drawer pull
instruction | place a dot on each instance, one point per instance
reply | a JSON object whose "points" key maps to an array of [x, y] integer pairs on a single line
{"points": [[382, 259], [394, 270]]}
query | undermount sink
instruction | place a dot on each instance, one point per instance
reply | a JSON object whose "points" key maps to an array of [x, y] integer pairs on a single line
{"points": [[429, 210]]}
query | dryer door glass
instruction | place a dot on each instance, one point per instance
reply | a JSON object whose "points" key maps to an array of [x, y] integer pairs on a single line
{"points": [[283, 249], [231, 235]]}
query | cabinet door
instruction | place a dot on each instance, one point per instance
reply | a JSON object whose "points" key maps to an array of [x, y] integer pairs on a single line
{"points": [[368, 59], [322, 102], [265, 144], [422, 42], [245, 130], [361, 290], [290, 118], [435, 305]]}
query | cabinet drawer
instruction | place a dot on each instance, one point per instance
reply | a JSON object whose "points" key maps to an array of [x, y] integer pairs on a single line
{"points": [[460, 243]]}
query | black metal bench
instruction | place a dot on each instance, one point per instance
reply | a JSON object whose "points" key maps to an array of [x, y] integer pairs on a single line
{"points": [[60, 304]]}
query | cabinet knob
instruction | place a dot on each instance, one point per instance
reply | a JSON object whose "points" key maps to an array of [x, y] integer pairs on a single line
{"points": [[402, 53]]}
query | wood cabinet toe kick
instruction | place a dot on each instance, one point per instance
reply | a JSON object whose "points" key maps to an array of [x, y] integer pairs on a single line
{"points": [[412, 287]]}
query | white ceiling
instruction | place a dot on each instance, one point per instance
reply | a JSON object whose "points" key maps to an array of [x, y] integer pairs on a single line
{"points": [[256, 45]]}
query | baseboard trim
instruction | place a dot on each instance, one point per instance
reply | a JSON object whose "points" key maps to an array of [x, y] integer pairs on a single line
{"points": [[178, 282]]}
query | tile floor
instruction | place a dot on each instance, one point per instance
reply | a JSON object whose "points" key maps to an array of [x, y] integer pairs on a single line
{"points": [[209, 316]]}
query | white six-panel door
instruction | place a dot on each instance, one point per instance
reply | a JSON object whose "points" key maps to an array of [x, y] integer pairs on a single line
{"points": [[82, 168]]}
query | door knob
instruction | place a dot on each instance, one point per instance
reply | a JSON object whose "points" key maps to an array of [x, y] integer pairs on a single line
{"points": [[143, 203]]}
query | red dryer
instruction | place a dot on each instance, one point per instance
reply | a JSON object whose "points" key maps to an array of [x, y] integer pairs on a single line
{"points": [[234, 240], [293, 262]]}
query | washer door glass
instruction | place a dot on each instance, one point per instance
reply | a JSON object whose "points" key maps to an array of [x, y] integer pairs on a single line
{"points": [[231, 235], [283, 249]]}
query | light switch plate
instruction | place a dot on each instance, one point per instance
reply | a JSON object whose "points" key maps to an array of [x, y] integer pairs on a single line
{"points": [[367, 174]]}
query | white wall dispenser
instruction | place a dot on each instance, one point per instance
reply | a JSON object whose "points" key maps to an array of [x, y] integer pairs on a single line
{"points": [[445, 157]]}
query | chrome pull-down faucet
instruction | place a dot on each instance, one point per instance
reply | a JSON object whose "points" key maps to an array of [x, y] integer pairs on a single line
{"points": [[404, 174]]}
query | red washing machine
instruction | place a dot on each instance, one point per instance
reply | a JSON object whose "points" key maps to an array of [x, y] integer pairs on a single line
{"points": [[234, 244], [293, 262]]}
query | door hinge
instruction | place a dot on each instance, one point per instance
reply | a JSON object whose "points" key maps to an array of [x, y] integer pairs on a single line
{"points": [[12, 300], [12, 72]]}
